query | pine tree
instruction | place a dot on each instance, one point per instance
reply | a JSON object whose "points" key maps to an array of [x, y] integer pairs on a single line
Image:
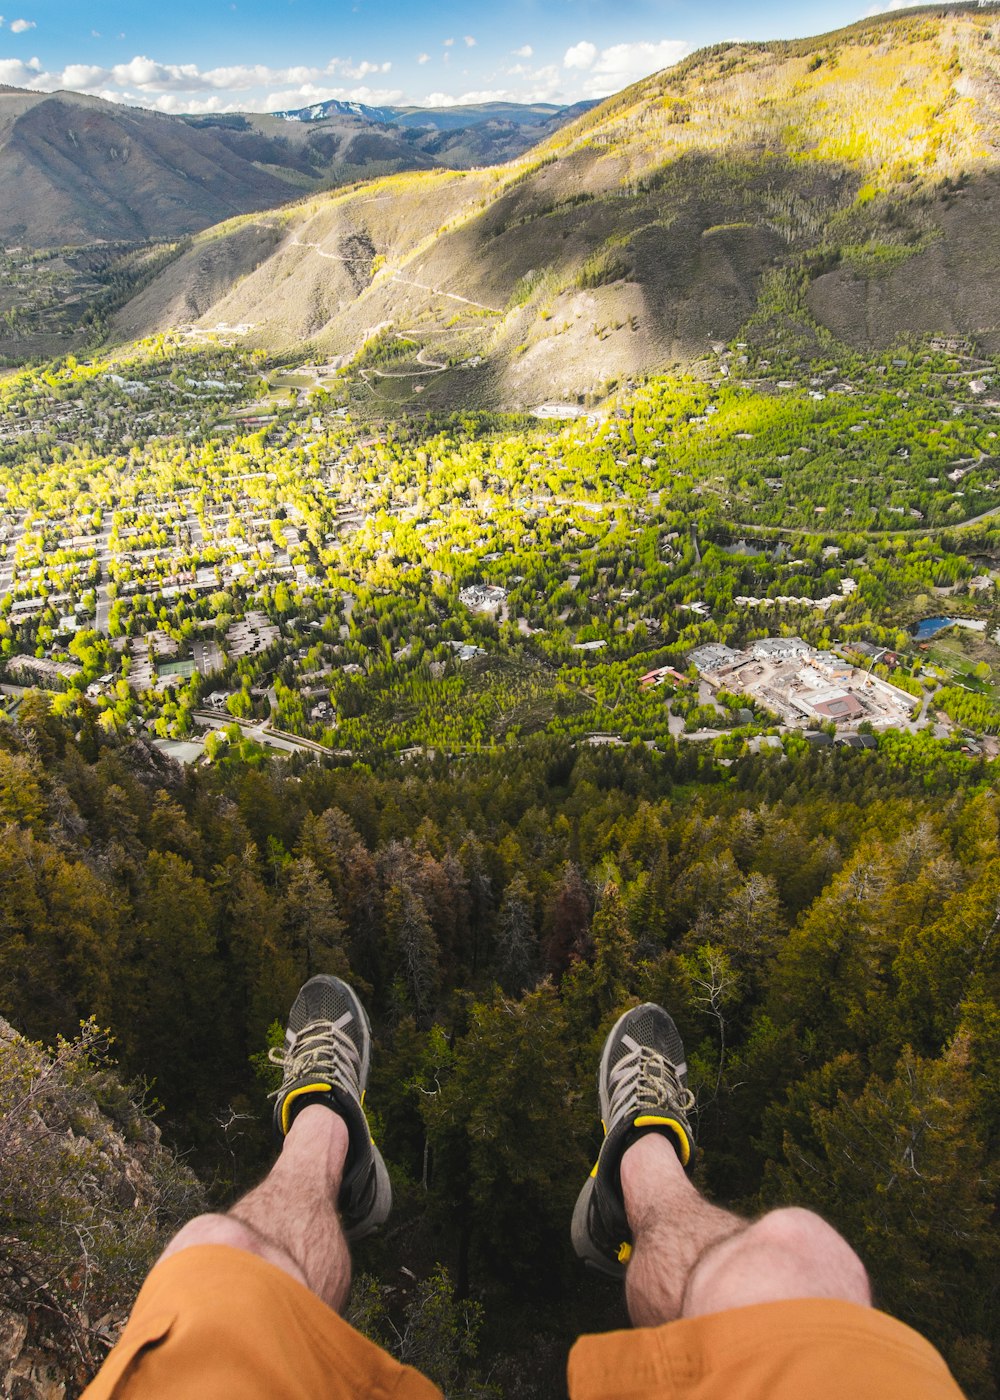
{"points": [[516, 944]]}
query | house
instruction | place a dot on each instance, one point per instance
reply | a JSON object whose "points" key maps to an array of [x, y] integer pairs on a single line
{"points": [[765, 741], [661, 674]]}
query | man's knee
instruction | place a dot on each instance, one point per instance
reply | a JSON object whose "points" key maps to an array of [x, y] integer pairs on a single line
{"points": [[789, 1253], [213, 1229], [817, 1248], [230, 1230]]}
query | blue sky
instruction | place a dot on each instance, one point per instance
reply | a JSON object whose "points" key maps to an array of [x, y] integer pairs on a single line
{"points": [[231, 55]]}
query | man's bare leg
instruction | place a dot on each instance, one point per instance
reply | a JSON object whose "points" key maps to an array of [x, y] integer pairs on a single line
{"points": [[291, 1218], [689, 1257], [329, 1183]]}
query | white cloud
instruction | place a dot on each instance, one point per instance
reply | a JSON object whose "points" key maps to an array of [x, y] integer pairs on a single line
{"points": [[17, 74], [21, 26], [84, 76], [145, 80], [356, 70], [468, 41], [468, 99], [637, 60], [616, 67], [173, 103], [146, 73], [448, 43], [309, 94], [581, 55], [892, 6], [547, 84], [585, 71]]}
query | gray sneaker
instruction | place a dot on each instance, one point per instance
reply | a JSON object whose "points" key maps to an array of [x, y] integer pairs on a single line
{"points": [[325, 1059], [641, 1084]]}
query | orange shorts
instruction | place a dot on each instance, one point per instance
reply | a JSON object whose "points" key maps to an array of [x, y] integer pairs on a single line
{"points": [[803, 1349], [216, 1322]]}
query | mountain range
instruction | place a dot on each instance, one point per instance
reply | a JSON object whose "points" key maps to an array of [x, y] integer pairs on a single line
{"points": [[77, 169], [841, 187], [536, 116], [844, 186]]}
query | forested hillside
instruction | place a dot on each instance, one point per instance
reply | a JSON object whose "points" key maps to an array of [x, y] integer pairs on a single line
{"points": [[824, 928]]}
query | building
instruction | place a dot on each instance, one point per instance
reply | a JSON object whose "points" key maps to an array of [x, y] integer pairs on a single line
{"points": [[802, 685], [840, 708], [662, 674], [713, 656], [779, 649], [483, 597]]}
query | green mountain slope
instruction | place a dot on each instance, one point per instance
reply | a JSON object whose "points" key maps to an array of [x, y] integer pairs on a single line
{"points": [[839, 185]]}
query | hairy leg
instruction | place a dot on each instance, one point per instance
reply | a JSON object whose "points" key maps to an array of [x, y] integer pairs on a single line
{"points": [[690, 1257], [291, 1218]]}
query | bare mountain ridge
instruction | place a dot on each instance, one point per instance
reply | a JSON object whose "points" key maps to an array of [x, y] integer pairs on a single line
{"points": [[77, 169], [534, 114], [846, 184]]}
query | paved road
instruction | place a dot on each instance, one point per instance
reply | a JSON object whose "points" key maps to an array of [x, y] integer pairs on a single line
{"points": [[833, 529], [19, 518], [394, 277], [263, 733], [104, 599]]}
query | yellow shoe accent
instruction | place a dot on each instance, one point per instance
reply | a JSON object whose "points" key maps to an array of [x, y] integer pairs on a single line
{"points": [[649, 1120], [596, 1165], [286, 1117], [624, 1252]]}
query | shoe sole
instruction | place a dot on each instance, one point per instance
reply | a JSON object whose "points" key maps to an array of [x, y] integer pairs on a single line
{"points": [[580, 1235], [381, 1206]]}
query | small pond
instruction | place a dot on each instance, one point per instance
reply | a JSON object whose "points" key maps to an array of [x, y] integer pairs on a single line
{"points": [[929, 627]]}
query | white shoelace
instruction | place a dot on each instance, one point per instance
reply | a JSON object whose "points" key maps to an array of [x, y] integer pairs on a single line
{"points": [[321, 1047], [643, 1080]]}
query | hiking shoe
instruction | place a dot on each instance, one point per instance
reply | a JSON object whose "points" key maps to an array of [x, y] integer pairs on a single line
{"points": [[641, 1085], [325, 1059]]}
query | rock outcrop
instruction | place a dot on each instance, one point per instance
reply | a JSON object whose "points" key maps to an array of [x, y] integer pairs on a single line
{"points": [[88, 1194]]}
